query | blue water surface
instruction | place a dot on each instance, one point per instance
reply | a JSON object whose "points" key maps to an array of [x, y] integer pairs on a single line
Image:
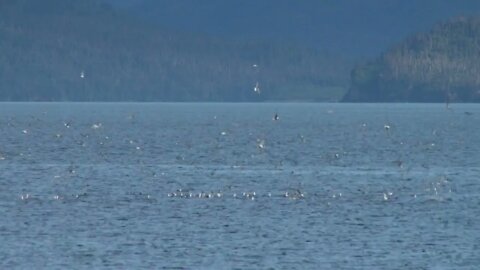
{"points": [[224, 186]]}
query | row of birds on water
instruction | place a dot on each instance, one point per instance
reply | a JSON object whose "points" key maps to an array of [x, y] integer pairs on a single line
{"points": [[435, 189], [439, 189], [435, 193], [293, 194]]}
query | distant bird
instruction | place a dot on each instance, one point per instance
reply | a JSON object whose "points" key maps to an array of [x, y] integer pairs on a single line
{"points": [[255, 65], [82, 75], [399, 163], [96, 126], [71, 169], [256, 89], [261, 144], [276, 117]]}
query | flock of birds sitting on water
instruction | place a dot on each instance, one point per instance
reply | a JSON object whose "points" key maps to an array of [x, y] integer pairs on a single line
{"points": [[294, 194], [439, 189], [432, 192]]}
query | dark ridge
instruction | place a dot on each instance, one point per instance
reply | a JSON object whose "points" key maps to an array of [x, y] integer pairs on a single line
{"points": [[441, 65], [67, 50]]}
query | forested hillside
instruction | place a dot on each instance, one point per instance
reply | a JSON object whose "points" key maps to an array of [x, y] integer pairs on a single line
{"points": [[442, 65], [67, 50], [354, 28]]}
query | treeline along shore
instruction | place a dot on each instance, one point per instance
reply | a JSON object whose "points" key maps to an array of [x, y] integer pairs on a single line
{"points": [[67, 50]]}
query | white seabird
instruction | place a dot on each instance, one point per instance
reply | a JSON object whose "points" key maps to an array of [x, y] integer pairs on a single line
{"points": [[256, 89]]}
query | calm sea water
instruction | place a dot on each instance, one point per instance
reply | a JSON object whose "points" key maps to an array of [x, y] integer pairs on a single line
{"points": [[223, 186]]}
